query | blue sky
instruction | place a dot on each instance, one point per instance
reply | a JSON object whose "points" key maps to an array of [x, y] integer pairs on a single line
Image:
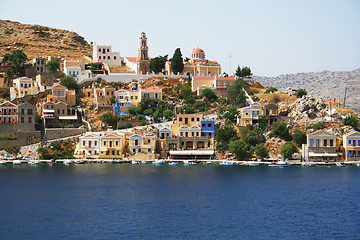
{"points": [[271, 37]]}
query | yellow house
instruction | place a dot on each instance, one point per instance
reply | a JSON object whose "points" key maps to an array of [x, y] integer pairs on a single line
{"points": [[23, 86], [219, 85], [101, 145], [151, 93], [142, 146], [185, 119], [197, 65], [62, 94], [250, 115]]}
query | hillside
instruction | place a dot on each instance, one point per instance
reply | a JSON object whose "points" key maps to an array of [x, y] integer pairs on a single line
{"points": [[36, 41], [324, 84]]}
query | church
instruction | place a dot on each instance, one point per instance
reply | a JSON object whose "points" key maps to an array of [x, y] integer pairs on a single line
{"points": [[197, 65]]}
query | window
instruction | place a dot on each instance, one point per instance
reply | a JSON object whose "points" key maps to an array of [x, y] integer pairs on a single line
{"points": [[131, 97], [331, 143], [349, 142], [192, 119], [99, 57], [197, 119], [359, 143], [63, 111], [22, 85], [317, 143], [71, 101], [116, 143], [354, 143], [108, 50], [95, 143], [197, 134], [52, 106], [114, 57], [181, 134], [30, 111], [136, 97], [104, 143], [58, 111], [203, 125], [209, 125], [22, 119], [22, 111], [99, 49], [325, 142], [149, 140], [83, 143], [180, 119], [196, 84], [108, 57], [192, 134], [30, 120], [47, 106]]}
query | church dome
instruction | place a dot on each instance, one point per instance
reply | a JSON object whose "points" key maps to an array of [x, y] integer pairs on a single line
{"points": [[197, 54], [197, 50]]}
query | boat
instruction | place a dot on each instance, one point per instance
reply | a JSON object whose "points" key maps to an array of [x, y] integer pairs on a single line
{"points": [[159, 161], [173, 163], [358, 164], [134, 162], [208, 162], [51, 162], [33, 162], [2, 162], [144, 162], [16, 162], [307, 164], [68, 162], [340, 164], [253, 164], [279, 163], [187, 162], [79, 161], [227, 163]]}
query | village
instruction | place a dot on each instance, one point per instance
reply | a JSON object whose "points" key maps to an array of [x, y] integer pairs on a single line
{"points": [[110, 108]]}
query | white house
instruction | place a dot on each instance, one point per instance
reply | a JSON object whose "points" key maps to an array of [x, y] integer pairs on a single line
{"points": [[131, 63], [104, 54], [77, 73]]}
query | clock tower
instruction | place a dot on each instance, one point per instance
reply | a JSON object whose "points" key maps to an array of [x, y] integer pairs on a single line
{"points": [[143, 61]]}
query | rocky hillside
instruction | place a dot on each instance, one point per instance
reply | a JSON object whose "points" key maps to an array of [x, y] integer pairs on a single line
{"points": [[324, 84], [36, 41]]}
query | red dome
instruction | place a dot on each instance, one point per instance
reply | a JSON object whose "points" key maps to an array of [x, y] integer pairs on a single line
{"points": [[197, 50]]}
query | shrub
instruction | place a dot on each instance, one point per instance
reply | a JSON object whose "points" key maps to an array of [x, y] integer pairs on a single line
{"points": [[271, 90], [301, 92], [319, 125]]}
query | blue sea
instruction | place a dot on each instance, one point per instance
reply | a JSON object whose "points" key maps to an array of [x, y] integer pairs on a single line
{"points": [[124, 201]]}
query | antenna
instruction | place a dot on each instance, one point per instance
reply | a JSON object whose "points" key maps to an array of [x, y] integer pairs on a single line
{"points": [[230, 63]]}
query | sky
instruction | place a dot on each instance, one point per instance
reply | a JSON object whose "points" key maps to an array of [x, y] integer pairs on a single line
{"points": [[271, 37]]}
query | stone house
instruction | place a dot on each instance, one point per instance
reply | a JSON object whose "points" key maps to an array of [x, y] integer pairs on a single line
{"points": [[321, 146]]}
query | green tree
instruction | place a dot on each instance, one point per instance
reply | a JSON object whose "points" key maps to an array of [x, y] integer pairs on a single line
{"points": [[17, 58], [279, 129], [9, 72], [236, 94], [69, 82], [254, 137], [301, 92], [243, 72], [177, 64], [112, 99], [224, 136], [53, 66], [271, 90], [187, 109], [13, 150], [261, 151], [209, 95], [168, 114], [299, 137], [157, 64], [239, 148], [109, 118], [318, 125], [231, 114], [352, 121], [288, 149]]}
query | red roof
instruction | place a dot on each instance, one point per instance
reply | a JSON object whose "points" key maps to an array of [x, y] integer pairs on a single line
{"points": [[197, 50], [132, 59], [203, 78]]}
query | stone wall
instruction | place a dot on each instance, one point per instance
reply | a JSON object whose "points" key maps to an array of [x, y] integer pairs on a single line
{"points": [[8, 130], [56, 133]]}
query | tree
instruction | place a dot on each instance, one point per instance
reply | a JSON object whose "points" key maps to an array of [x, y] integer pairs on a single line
{"points": [[177, 64], [157, 64], [17, 58], [13, 150], [231, 114], [318, 125], [187, 109], [53, 66], [236, 94], [261, 151], [243, 72], [301, 92], [112, 99], [288, 149], [279, 129], [168, 114], [299, 137], [352, 121], [254, 137], [9, 72], [239, 148], [224, 136], [274, 98], [209, 95], [69, 82], [271, 90], [109, 118]]}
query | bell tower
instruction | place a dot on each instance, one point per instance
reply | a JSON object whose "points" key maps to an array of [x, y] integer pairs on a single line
{"points": [[143, 62]]}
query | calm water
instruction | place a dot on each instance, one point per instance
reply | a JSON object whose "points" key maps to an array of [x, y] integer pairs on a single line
{"points": [[124, 201]]}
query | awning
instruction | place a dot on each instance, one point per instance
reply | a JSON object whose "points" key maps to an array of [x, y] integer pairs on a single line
{"points": [[48, 110], [192, 152], [68, 117], [322, 154]]}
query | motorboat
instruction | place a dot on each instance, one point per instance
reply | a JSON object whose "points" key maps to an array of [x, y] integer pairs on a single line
{"points": [[159, 161], [307, 164], [208, 162], [134, 162], [173, 163], [79, 161], [144, 162], [340, 164], [2, 162], [279, 163], [68, 162], [187, 162], [358, 164], [227, 163], [33, 162], [51, 162], [253, 164], [16, 162]]}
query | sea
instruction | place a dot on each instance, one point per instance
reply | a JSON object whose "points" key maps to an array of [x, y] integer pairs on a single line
{"points": [[125, 201]]}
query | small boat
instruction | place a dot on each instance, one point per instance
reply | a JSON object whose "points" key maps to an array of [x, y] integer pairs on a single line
{"points": [[173, 163], [227, 163], [144, 162], [279, 163], [16, 162], [358, 164], [208, 162], [187, 162], [307, 164], [2, 162], [134, 162], [252, 164], [340, 164], [33, 162], [79, 161], [159, 161], [51, 162], [68, 162]]}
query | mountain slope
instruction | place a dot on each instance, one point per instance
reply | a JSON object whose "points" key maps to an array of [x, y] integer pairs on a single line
{"points": [[324, 84], [37, 41]]}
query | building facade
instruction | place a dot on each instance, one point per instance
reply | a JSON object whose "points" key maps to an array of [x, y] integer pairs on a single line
{"points": [[142, 146], [104, 54], [321, 146], [351, 144], [26, 117], [250, 115], [219, 85], [8, 113], [143, 60], [23, 86]]}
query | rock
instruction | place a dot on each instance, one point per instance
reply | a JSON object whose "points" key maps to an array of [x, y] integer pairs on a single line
{"points": [[158, 82], [311, 113]]}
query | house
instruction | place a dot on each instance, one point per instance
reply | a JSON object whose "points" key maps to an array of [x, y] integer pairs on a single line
{"points": [[197, 65], [8, 113], [62, 94], [77, 73], [101, 145], [250, 115], [131, 62], [151, 93], [271, 111], [102, 97], [104, 54], [23, 86], [321, 146], [219, 85], [142, 146], [26, 117], [45, 81], [40, 64], [351, 144]]}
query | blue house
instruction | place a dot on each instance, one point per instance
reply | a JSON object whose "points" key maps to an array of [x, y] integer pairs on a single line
{"points": [[207, 128], [121, 108]]}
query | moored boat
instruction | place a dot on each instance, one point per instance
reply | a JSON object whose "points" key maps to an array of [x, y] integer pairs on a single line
{"points": [[173, 163], [159, 161], [252, 164], [79, 161], [34, 162], [2, 162], [279, 163], [340, 164], [134, 162], [227, 163], [68, 162], [144, 162], [16, 162], [307, 164]]}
